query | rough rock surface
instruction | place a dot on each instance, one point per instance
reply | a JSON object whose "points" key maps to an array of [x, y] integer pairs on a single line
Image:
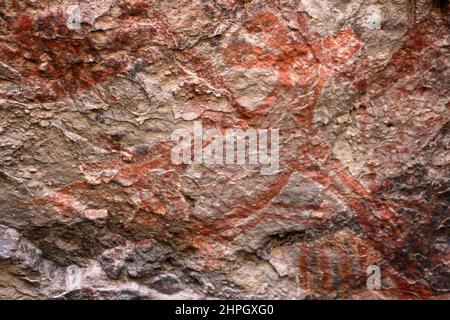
{"points": [[92, 207]]}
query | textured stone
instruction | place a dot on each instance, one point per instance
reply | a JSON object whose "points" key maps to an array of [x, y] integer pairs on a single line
{"points": [[92, 207]]}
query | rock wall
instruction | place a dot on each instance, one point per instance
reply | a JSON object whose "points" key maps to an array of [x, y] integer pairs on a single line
{"points": [[93, 207]]}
